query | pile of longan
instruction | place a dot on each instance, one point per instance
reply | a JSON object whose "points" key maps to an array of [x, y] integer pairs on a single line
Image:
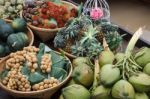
{"points": [[15, 80]]}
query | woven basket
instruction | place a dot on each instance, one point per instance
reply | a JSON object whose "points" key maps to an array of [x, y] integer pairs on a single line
{"points": [[42, 94], [46, 34], [29, 34]]}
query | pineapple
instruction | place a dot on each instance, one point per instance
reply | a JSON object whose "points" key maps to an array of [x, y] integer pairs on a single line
{"points": [[89, 36], [113, 39], [69, 43], [100, 34], [94, 50], [78, 49]]}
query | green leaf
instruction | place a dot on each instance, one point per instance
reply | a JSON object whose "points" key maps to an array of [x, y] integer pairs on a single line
{"points": [[56, 1], [25, 70], [35, 78], [4, 74], [58, 73], [40, 53], [57, 60], [80, 7], [47, 49]]}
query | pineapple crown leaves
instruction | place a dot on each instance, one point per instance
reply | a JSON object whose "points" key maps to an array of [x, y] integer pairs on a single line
{"points": [[59, 40], [78, 49], [94, 50], [89, 36]]}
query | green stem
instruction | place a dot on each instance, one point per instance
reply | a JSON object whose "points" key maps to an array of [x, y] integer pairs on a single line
{"points": [[133, 41]]}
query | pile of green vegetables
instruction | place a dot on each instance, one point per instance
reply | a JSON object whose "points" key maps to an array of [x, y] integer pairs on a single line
{"points": [[121, 76], [10, 9], [12, 36]]}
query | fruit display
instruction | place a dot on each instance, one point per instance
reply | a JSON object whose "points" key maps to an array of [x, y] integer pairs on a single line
{"points": [[10, 9], [34, 69], [83, 37], [13, 36], [121, 77], [48, 14], [101, 68]]}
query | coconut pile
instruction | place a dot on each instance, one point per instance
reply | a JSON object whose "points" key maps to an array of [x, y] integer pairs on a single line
{"points": [[123, 75]]}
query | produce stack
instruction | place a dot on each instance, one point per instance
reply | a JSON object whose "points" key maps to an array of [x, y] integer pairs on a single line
{"points": [[13, 36], [120, 76], [34, 69], [48, 14], [10, 9], [83, 36]]}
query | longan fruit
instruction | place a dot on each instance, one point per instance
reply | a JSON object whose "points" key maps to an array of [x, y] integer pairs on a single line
{"points": [[41, 87]]}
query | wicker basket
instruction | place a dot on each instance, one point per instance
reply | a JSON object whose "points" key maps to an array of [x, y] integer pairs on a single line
{"points": [[46, 34], [42, 94], [29, 34]]}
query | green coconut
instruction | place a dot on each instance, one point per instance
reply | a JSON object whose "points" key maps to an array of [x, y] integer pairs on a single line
{"points": [[83, 75], [80, 61], [106, 57], [147, 69], [123, 90], [101, 92], [109, 75], [143, 56], [75, 91], [119, 56], [141, 83], [61, 97], [141, 96], [71, 82]]}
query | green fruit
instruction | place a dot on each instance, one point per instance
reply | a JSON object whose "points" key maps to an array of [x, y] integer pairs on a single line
{"points": [[61, 97], [17, 41], [106, 57], [147, 69], [101, 92], [2, 51], [119, 56], [11, 9], [75, 92], [5, 31], [109, 75], [123, 90], [13, 2], [79, 61], [83, 75], [19, 25], [2, 2], [141, 83], [20, 1], [143, 56], [71, 82], [2, 22], [7, 49], [141, 96]]}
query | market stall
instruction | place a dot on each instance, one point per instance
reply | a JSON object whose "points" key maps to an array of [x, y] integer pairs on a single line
{"points": [[59, 50]]}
